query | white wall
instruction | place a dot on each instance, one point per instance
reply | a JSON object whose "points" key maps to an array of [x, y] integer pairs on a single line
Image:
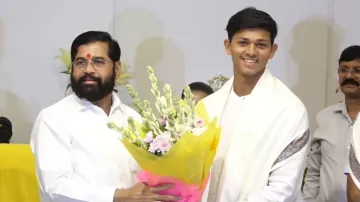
{"points": [[182, 40]]}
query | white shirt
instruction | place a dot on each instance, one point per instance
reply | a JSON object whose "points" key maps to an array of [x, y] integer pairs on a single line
{"points": [[78, 158], [227, 121]]}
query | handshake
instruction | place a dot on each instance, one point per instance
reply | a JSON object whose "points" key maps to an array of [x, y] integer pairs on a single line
{"points": [[142, 193]]}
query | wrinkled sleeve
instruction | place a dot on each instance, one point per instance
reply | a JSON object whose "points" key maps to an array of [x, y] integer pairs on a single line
{"points": [[287, 171], [51, 147], [312, 178], [354, 167]]}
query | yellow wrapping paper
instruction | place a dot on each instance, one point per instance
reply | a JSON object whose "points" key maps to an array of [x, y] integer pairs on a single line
{"points": [[18, 181], [189, 159]]}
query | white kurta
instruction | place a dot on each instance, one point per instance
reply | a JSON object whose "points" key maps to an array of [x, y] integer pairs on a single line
{"points": [[78, 158], [354, 154], [263, 145]]}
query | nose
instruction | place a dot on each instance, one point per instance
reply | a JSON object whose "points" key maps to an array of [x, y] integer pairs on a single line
{"points": [[251, 50], [89, 68], [349, 74]]}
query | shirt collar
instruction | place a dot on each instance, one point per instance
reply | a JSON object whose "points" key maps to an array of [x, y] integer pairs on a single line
{"points": [[340, 108], [81, 104]]}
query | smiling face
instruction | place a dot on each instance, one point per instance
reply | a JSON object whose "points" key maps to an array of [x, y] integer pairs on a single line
{"points": [[250, 50]]}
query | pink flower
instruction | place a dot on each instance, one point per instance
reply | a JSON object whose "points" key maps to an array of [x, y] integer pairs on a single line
{"points": [[161, 143], [149, 137], [162, 121], [199, 123]]}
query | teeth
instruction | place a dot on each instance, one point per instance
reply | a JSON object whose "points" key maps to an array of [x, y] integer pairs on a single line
{"points": [[250, 61]]}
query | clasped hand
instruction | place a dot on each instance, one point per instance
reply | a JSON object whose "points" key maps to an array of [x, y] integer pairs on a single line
{"points": [[142, 193]]}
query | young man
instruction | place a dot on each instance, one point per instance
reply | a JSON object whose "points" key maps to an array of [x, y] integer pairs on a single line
{"points": [[78, 158], [199, 90], [265, 130], [329, 149]]}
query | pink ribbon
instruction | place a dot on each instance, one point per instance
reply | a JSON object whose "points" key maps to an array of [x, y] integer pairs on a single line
{"points": [[188, 193]]}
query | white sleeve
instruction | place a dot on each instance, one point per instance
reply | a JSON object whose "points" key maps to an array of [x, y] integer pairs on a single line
{"points": [[347, 169], [51, 148], [286, 174], [354, 167]]}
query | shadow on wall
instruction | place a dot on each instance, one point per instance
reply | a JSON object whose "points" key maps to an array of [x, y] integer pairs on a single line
{"points": [[1, 38], [309, 51], [166, 58], [14, 110], [2, 31], [334, 51], [142, 32]]}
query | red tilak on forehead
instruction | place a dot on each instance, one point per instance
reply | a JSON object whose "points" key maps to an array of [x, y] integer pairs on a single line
{"points": [[88, 55]]}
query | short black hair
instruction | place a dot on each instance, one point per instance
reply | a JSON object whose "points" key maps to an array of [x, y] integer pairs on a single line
{"points": [[350, 53], [5, 130], [251, 17], [114, 52], [199, 86]]}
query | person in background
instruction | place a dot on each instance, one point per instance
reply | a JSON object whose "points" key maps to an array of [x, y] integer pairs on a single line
{"points": [[78, 158], [329, 149], [5, 130], [199, 90]]}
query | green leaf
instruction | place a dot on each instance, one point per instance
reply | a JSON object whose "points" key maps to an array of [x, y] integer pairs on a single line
{"points": [[65, 72], [67, 88]]}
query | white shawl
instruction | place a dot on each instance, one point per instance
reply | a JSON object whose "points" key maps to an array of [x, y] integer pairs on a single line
{"points": [[271, 128], [354, 154]]}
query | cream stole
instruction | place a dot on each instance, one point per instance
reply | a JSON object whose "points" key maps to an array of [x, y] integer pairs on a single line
{"points": [[354, 155], [258, 138]]}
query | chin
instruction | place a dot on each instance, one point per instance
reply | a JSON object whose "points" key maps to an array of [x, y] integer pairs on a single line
{"points": [[251, 72]]}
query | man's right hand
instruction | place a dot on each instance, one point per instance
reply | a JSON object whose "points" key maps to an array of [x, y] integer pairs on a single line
{"points": [[142, 193]]}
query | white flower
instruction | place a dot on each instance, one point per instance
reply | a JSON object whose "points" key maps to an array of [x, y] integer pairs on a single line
{"points": [[149, 137], [198, 131]]}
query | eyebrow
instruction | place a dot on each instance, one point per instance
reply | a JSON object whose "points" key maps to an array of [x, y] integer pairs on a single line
{"points": [[98, 57], [258, 40], [347, 67], [80, 58], [93, 58]]}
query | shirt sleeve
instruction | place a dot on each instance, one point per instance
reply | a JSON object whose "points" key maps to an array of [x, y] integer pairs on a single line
{"points": [[51, 147], [312, 178], [347, 169], [354, 167], [287, 171]]}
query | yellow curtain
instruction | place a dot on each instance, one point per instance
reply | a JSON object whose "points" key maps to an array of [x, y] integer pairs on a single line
{"points": [[18, 181]]}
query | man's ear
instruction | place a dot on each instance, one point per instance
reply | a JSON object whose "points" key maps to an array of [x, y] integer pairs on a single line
{"points": [[273, 50], [227, 45], [117, 69]]}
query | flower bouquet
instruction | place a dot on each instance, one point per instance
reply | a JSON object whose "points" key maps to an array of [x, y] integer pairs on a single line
{"points": [[176, 147]]}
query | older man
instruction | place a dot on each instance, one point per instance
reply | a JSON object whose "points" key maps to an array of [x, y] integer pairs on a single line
{"points": [[325, 179], [78, 158]]}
